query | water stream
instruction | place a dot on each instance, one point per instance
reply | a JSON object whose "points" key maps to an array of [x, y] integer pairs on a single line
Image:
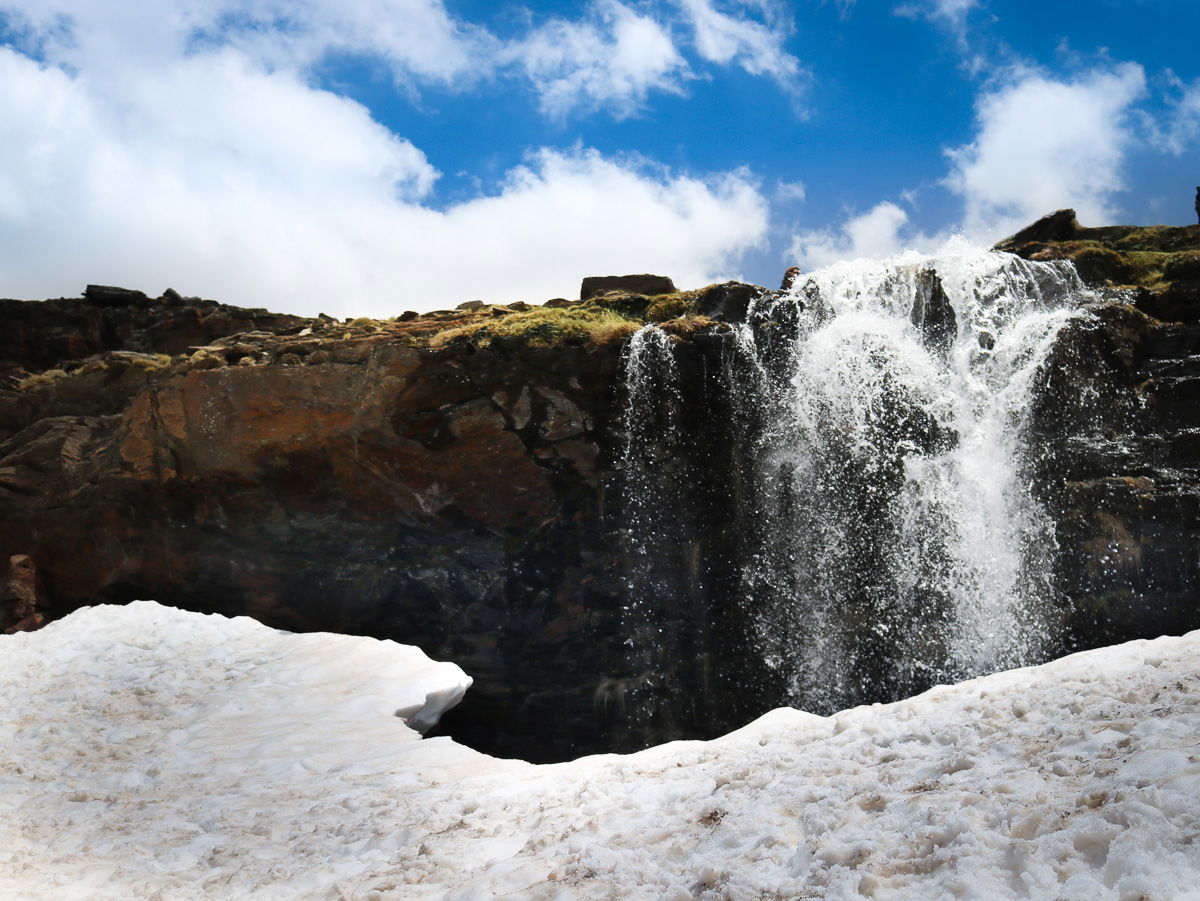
{"points": [[879, 473]]}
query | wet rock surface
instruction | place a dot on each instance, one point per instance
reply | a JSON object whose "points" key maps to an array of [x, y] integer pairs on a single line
{"points": [[452, 480], [1119, 430]]}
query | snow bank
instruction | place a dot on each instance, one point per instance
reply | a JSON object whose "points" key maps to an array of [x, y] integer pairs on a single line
{"points": [[150, 753]]}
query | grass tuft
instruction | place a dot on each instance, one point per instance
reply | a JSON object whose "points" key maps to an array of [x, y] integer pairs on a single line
{"points": [[542, 327], [41, 379]]}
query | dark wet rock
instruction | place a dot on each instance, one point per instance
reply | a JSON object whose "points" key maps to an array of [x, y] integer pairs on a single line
{"points": [[1061, 225], [109, 296], [629, 284], [39, 335], [932, 313], [728, 301], [1118, 436], [464, 495]]}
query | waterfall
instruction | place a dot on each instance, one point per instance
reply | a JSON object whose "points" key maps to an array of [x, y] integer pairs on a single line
{"points": [[651, 479], [888, 534]]}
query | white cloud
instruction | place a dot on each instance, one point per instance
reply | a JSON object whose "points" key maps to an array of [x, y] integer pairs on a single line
{"points": [[1043, 144], [757, 47], [219, 179], [417, 38], [875, 233], [1180, 128], [949, 13], [612, 62], [611, 58], [790, 191], [952, 17], [185, 145]]}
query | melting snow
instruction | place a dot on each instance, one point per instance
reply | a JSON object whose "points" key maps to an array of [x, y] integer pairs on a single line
{"points": [[151, 753]]}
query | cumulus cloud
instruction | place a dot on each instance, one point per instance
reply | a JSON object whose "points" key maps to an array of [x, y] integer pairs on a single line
{"points": [[756, 46], [1043, 144], [1179, 129], [612, 62], [610, 58], [417, 38], [220, 179], [950, 13], [875, 233], [179, 147]]}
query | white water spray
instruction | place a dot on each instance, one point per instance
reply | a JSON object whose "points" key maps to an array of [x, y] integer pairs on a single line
{"points": [[891, 538]]}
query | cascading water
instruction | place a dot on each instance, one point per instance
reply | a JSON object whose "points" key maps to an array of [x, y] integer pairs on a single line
{"points": [[887, 537], [651, 478]]}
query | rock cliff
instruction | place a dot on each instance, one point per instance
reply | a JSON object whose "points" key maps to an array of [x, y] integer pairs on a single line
{"points": [[450, 480], [1120, 428], [444, 480]]}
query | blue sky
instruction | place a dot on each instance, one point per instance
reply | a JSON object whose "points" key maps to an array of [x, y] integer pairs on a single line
{"points": [[370, 156]]}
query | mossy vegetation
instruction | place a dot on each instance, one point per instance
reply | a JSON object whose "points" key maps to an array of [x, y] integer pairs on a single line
{"points": [[41, 379], [1100, 264], [607, 317], [542, 327], [144, 362], [672, 306]]}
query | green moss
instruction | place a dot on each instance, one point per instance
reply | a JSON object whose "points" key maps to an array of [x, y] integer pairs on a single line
{"points": [[672, 306], [1156, 238], [1183, 267], [147, 362], [542, 327], [686, 326], [628, 306], [41, 379], [1100, 264]]}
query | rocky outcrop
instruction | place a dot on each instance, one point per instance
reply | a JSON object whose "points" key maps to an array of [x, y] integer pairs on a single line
{"points": [[320, 475], [446, 480], [1158, 266], [451, 479], [629, 284], [1119, 429]]}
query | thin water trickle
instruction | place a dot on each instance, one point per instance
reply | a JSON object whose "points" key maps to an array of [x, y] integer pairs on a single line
{"points": [[888, 537], [650, 474]]}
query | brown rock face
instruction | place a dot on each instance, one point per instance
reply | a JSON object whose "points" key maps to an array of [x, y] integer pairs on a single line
{"points": [[464, 494], [1118, 428], [345, 478], [22, 598]]}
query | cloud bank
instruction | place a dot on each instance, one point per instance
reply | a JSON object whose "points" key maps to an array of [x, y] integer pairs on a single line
{"points": [[188, 145]]}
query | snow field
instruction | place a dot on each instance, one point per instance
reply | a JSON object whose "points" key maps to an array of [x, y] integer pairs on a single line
{"points": [[150, 753]]}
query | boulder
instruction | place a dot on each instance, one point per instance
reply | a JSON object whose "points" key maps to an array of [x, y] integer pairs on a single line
{"points": [[932, 313], [727, 301], [630, 284], [109, 296], [1061, 225]]}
